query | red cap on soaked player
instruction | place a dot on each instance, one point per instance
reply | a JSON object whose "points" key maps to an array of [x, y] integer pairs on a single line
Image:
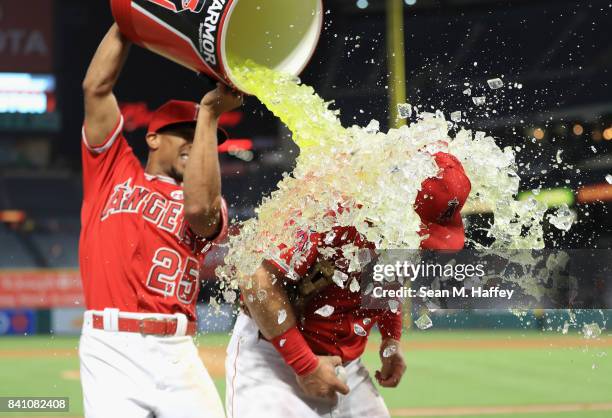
{"points": [[176, 112], [439, 205]]}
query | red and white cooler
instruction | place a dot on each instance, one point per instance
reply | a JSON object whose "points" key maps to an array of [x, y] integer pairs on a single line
{"points": [[203, 34]]}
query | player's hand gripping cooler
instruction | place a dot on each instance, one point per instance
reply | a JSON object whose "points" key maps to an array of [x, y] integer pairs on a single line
{"points": [[209, 36]]}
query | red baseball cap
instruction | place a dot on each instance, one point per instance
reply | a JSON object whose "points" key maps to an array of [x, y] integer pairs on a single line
{"points": [[179, 112], [439, 205]]}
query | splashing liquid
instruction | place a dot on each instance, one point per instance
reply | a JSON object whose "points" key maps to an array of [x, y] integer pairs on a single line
{"points": [[378, 175]]}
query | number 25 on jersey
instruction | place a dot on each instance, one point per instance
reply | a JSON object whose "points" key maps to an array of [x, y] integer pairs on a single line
{"points": [[170, 275]]}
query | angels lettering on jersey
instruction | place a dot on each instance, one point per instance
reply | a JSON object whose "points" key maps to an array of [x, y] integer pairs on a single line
{"points": [[153, 207]]}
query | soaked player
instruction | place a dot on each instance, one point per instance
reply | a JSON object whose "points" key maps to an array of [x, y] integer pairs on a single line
{"points": [[286, 367], [144, 234]]}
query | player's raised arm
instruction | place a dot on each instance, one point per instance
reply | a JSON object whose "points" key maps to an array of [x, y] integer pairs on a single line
{"points": [[315, 374], [202, 179], [101, 108]]}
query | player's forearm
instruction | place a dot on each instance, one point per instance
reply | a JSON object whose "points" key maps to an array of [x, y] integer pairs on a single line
{"points": [[107, 63], [265, 296], [202, 179], [269, 306], [390, 325]]}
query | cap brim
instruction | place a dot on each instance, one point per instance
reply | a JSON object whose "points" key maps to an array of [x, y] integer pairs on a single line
{"points": [[222, 134]]}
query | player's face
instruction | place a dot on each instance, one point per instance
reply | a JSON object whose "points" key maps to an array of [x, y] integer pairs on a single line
{"points": [[174, 149]]}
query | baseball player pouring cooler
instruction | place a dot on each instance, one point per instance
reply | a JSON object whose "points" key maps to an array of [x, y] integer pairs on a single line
{"points": [[283, 367], [144, 234]]}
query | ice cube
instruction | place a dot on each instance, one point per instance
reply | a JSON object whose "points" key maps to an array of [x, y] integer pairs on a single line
{"points": [[479, 101], [404, 110], [325, 311], [339, 278], [366, 321], [373, 127], [467, 92], [229, 296], [495, 83], [563, 219], [389, 351], [359, 330], [282, 315], [282, 342], [364, 257], [393, 305], [424, 322], [456, 116], [431, 305], [609, 178], [354, 286], [591, 331]]}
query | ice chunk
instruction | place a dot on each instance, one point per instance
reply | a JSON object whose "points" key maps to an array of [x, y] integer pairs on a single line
{"points": [[373, 127], [229, 296], [354, 286], [479, 101], [590, 331], [282, 315], [563, 219], [339, 278], [609, 178], [467, 92], [393, 305], [456, 116], [495, 83], [325, 311], [404, 110], [389, 351], [359, 330], [424, 322], [366, 321], [364, 257], [341, 374]]}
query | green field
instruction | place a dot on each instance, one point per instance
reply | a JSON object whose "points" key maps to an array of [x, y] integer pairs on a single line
{"points": [[450, 373]]}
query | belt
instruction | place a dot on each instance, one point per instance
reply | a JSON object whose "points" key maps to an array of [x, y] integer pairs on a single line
{"points": [[146, 326]]}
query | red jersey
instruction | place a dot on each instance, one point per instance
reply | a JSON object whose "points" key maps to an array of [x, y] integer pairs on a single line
{"points": [[344, 332], [136, 251]]}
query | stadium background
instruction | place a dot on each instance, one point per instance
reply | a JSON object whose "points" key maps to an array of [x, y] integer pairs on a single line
{"points": [[555, 59]]}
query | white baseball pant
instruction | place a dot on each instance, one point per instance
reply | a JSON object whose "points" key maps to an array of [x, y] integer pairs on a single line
{"points": [[260, 384], [125, 374]]}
